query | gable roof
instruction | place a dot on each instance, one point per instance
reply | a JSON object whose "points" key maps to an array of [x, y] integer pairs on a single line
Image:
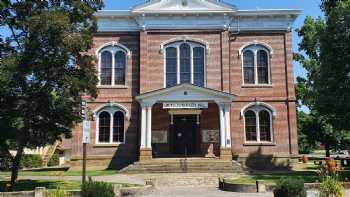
{"points": [[184, 6], [185, 92]]}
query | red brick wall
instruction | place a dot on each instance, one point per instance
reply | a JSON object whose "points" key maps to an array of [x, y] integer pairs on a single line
{"points": [[224, 72]]}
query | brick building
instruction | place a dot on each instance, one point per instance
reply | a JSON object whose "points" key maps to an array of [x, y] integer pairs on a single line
{"points": [[191, 78]]}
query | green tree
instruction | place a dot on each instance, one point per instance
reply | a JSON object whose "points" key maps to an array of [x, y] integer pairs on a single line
{"points": [[44, 69], [324, 53]]}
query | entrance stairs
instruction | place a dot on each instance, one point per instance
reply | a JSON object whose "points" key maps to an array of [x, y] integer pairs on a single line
{"points": [[184, 165]]}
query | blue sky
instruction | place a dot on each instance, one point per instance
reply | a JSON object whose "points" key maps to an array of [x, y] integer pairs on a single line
{"points": [[308, 7]]}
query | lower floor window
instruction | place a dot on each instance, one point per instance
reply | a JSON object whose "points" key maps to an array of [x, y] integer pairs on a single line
{"points": [[110, 126], [258, 125]]}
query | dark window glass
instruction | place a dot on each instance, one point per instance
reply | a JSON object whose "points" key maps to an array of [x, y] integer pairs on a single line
{"points": [[104, 127], [120, 65], [263, 71], [265, 127], [185, 63], [248, 67], [118, 127], [198, 66], [250, 126], [171, 66], [106, 68]]}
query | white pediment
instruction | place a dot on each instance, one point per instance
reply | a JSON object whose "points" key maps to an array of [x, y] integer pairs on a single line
{"points": [[184, 6], [185, 92]]}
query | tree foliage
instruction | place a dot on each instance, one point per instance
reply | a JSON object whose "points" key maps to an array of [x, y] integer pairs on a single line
{"points": [[325, 54], [44, 68]]}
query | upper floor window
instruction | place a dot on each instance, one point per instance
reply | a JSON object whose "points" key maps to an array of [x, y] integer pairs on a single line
{"points": [[258, 124], [110, 126], [256, 65], [184, 63], [112, 66]]}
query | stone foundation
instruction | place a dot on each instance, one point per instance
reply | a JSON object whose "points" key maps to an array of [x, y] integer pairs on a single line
{"points": [[145, 154], [225, 154]]}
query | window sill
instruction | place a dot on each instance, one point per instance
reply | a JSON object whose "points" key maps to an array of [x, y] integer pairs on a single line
{"points": [[112, 87], [259, 144], [107, 145], [257, 86]]}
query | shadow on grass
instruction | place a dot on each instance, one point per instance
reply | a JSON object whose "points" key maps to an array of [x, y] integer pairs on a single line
{"points": [[30, 185], [259, 161]]}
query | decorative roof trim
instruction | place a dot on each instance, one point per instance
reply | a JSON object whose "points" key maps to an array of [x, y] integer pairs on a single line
{"points": [[255, 43], [113, 44]]}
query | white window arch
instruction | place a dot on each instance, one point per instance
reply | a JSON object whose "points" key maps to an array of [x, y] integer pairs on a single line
{"points": [[256, 64], [258, 124], [184, 62], [112, 64], [110, 125]]}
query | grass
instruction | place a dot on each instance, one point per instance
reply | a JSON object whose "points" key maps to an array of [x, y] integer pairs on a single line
{"points": [[61, 173], [306, 172]]}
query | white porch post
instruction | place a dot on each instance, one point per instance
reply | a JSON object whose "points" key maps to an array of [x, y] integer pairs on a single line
{"points": [[149, 127], [143, 126], [228, 125], [222, 126]]}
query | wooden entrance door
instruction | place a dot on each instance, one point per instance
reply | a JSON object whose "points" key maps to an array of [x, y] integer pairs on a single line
{"points": [[185, 130]]}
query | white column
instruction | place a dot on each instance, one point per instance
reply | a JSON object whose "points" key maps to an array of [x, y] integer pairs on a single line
{"points": [[228, 125], [222, 127], [149, 127], [143, 126]]}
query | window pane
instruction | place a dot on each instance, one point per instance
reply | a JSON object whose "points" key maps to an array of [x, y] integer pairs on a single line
{"points": [[250, 126], [185, 63], [198, 66], [264, 121], [106, 68], [263, 73], [118, 127], [248, 67], [104, 127], [120, 65], [171, 66]]}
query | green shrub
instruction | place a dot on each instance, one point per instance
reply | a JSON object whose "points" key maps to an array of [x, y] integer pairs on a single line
{"points": [[289, 187], [330, 187], [57, 193], [5, 163], [97, 189], [54, 160], [31, 161]]}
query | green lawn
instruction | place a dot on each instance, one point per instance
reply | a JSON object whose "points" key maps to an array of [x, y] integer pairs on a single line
{"points": [[61, 173]]}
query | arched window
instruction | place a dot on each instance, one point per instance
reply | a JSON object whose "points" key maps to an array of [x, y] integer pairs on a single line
{"points": [[263, 70], [104, 127], [250, 126], [256, 65], [106, 68], [113, 66], [171, 66], [118, 127], [110, 127], [258, 124], [120, 65], [248, 67], [184, 63]]}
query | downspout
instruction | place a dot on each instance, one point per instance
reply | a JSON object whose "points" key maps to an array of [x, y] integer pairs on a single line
{"points": [[287, 93]]}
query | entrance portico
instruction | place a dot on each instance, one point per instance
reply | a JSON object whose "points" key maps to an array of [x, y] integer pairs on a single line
{"points": [[184, 103]]}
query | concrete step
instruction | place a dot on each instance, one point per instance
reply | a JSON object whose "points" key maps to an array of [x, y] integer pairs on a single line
{"points": [[178, 166]]}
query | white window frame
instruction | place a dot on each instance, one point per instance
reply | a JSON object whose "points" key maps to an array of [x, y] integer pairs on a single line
{"points": [[113, 50], [257, 110], [255, 49], [111, 111], [192, 44]]}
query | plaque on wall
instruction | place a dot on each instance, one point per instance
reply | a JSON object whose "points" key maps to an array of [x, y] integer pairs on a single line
{"points": [[210, 136], [160, 136]]}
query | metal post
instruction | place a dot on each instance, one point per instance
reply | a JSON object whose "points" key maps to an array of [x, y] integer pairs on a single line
{"points": [[84, 162]]}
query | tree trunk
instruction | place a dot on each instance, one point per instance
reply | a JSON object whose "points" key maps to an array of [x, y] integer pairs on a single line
{"points": [[15, 167]]}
